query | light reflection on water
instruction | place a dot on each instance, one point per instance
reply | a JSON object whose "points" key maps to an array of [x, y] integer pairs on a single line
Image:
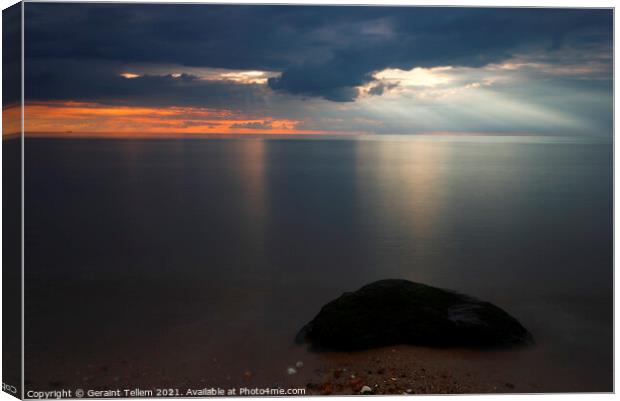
{"points": [[403, 191]]}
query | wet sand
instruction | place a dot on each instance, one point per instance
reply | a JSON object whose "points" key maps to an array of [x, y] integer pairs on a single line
{"points": [[397, 370], [391, 370]]}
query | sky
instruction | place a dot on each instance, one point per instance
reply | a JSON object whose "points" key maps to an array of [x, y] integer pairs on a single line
{"points": [[153, 69]]}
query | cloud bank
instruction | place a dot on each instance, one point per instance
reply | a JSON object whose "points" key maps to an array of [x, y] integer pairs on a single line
{"points": [[336, 63]]}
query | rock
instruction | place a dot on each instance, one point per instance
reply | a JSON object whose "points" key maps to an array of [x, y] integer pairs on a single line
{"points": [[291, 371], [366, 390], [392, 312]]}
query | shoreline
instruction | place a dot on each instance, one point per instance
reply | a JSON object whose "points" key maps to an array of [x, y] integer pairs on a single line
{"points": [[394, 370], [419, 370]]}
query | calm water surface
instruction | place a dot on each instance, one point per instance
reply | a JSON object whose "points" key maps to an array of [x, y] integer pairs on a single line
{"points": [[169, 257]]}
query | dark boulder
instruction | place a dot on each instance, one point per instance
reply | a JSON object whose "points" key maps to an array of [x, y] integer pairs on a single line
{"points": [[391, 312]]}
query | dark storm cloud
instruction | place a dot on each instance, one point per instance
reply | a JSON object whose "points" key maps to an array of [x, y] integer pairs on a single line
{"points": [[320, 51], [100, 81]]}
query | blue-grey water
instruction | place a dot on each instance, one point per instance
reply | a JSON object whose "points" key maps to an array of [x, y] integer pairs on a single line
{"points": [[189, 252]]}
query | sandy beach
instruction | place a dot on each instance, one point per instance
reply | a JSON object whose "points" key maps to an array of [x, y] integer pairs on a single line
{"points": [[390, 370]]}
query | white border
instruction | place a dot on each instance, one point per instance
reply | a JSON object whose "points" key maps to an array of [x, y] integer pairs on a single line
{"points": [[479, 3]]}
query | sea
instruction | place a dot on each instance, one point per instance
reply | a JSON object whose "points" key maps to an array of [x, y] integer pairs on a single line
{"points": [[195, 261]]}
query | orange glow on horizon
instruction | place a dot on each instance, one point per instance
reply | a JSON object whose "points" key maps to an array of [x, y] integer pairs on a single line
{"points": [[53, 118]]}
